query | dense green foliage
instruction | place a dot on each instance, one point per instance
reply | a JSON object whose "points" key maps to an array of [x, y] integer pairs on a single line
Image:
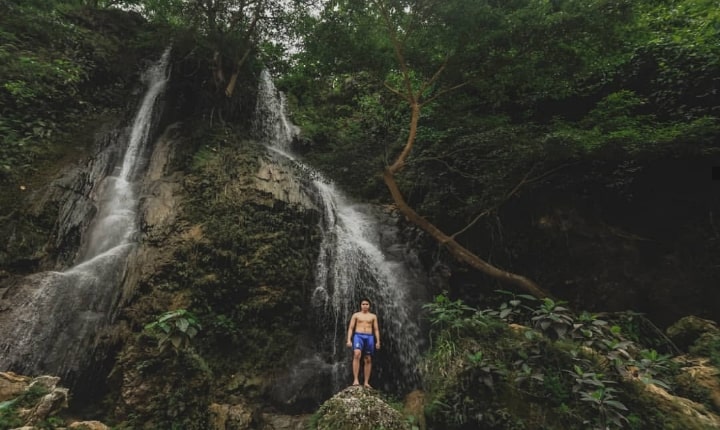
{"points": [[550, 368], [63, 62], [181, 384], [544, 84], [59, 65]]}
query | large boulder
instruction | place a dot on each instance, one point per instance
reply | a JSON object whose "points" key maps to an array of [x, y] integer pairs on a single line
{"points": [[686, 331], [34, 400], [683, 412], [12, 385], [231, 417], [358, 408], [699, 380]]}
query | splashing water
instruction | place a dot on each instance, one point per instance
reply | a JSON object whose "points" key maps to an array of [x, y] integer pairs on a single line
{"points": [[352, 265]]}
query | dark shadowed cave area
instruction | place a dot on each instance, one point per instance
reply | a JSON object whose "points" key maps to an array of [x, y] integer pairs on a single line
{"points": [[618, 236]]}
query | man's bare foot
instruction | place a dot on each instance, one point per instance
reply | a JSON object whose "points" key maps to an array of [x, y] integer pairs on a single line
{"points": [[367, 385], [356, 384]]}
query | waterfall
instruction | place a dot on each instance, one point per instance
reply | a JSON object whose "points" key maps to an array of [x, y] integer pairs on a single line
{"points": [[54, 318], [115, 223], [352, 264]]}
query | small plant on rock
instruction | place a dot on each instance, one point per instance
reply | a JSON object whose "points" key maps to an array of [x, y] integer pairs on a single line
{"points": [[589, 330], [552, 317], [592, 388], [486, 371], [176, 328], [652, 364], [514, 309]]}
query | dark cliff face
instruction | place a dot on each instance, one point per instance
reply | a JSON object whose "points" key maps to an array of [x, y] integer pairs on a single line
{"points": [[611, 236]]}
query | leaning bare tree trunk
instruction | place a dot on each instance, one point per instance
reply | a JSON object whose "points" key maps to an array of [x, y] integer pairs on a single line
{"points": [[414, 98], [456, 250]]}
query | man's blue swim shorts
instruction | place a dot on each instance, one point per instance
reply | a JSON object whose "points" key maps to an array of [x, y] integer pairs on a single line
{"points": [[364, 342]]}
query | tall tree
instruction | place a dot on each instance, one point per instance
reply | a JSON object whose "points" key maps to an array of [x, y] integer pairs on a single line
{"points": [[401, 20], [233, 30]]}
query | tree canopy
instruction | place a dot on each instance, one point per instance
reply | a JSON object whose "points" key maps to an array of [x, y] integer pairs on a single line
{"points": [[534, 87], [537, 85]]}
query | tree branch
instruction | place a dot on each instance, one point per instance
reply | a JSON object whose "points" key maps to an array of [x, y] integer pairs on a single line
{"points": [[516, 188]]}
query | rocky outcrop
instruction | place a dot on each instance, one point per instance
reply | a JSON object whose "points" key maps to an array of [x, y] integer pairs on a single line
{"points": [[688, 330], [231, 417], [33, 400], [282, 185], [358, 408], [698, 375], [689, 414], [88, 425], [414, 408], [285, 422], [12, 385]]}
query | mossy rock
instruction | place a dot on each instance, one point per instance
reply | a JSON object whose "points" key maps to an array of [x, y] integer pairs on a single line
{"points": [[689, 329], [358, 408]]}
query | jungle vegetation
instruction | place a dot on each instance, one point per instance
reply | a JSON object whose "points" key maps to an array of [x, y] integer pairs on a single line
{"points": [[449, 109], [457, 106]]}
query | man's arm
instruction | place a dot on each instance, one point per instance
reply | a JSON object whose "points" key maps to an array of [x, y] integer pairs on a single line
{"points": [[376, 330], [351, 328]]}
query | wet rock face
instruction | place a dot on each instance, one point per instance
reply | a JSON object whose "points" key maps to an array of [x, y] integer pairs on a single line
{"points": [[282, 185], [45, 229], [304, 385]]}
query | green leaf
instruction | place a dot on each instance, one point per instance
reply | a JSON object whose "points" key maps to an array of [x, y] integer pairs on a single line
{"points": [[616, 404], [182, 324], [177, 340]]}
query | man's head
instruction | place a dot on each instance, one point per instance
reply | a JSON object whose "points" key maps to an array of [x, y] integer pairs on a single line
{"points": [[365, 305]]}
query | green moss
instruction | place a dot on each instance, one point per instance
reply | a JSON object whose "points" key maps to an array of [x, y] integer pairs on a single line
{"points": [[708, 345], [248, 268], [180, 390]]}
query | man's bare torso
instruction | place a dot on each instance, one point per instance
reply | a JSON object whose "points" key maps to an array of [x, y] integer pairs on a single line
{"points": [[364, 322]]}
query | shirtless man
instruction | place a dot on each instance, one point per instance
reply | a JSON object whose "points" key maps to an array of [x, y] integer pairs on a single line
{"points": [[363, 337]]}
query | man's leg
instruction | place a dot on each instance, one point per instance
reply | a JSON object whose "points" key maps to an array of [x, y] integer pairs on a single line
{"points": [[367, 370], [356, 366]]}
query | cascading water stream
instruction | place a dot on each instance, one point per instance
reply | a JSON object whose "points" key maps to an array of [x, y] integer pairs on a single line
{"points": [[352, 265], [54, 320], [115, 223]]}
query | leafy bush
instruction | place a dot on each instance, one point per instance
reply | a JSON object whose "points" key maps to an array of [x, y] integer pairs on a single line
{"points": [[58, 68], [575, 366]]}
